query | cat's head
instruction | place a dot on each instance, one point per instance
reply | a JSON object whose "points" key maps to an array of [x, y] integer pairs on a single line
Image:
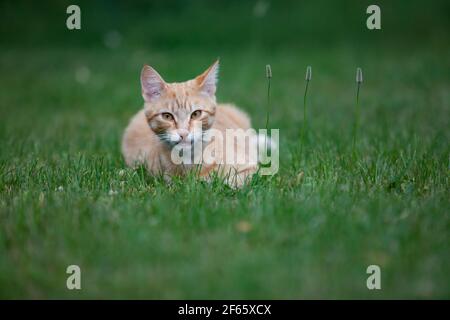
{"points": [[179, 113]]}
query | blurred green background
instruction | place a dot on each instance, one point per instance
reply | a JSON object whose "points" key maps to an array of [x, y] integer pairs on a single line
{"points": [[308, 232]]}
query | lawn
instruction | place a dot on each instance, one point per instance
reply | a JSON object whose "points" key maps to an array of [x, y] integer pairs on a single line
{"points": [[310, 231]]}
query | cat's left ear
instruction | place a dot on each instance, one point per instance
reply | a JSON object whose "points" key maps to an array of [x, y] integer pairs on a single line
{"points": [[207, 81]]}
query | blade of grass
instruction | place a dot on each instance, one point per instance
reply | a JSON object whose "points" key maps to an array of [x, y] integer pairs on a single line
{"points": [[359, 80], [269, 77], [307, 78]]}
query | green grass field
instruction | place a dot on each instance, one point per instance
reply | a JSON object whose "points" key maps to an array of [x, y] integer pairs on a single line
{"points": [[310, 231]]}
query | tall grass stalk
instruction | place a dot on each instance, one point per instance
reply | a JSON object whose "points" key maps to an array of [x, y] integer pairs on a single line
{"points": [[269, 77], [269, 109], [304, 127], [359, 80]]}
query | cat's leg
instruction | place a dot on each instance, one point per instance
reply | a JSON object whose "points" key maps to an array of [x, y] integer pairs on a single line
{"points": [[140, 146]]}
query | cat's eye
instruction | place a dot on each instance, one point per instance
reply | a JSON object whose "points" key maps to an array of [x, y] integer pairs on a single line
{"points": [[196, 114], [167, 116]]}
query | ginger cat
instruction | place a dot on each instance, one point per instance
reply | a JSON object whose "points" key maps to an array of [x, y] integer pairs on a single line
{"points": [[168, 120]]}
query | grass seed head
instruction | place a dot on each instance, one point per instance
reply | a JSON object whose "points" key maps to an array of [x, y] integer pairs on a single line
{"points": [[268, 71], [359, 76], [308, 73]]}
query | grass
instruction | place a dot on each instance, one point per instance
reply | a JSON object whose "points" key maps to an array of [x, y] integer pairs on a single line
{"points": [[359, 80], [305, 123], [66, 196]]}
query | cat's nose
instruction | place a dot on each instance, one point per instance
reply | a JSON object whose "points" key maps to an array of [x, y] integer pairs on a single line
{"points": [[183, 133]]}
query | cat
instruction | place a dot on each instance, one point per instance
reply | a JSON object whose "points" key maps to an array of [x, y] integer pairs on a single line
{"points": [[168, 120]]}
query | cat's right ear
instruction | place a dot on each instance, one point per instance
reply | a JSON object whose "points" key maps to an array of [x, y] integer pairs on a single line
{"points": [[152, 84]]}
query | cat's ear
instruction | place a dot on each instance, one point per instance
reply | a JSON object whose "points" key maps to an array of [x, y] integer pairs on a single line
{"points": [[207, 81], [152, 84]]}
